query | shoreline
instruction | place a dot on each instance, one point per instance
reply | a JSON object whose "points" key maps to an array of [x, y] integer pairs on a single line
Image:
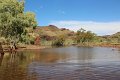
{"points": [[6, 48], [32, 47], [101, 45], [37, 47]]}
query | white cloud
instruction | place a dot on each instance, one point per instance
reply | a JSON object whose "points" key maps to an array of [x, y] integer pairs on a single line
{"points": [[100, 28]]}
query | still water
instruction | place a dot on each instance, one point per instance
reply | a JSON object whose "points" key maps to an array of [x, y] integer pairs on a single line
{"points": [[68, 63]]}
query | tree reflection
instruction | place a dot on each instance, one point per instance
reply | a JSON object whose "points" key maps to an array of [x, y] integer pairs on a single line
{"points": [[1, 58], [13, 67]]}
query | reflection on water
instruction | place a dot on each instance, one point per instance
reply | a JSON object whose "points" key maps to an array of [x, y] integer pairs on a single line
{"points": [[1, 58], [69, 63]]}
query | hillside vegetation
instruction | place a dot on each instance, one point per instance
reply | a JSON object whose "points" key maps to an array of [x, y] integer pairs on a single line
{"points": [[49, 34], [21, 27]]}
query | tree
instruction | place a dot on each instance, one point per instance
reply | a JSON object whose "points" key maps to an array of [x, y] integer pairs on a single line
{"points": [[89, 36], [80, 35], [13, 21], [84, 36]]}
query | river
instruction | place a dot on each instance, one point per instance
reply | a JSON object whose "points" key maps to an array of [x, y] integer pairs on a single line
{"points": [[65, 63]]}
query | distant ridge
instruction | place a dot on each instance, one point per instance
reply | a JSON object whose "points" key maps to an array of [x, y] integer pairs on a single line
{"points": [[52, 30]]}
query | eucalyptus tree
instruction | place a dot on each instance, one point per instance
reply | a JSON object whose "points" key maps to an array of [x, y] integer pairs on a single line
{"points": [[13, 19], [84, 36]]}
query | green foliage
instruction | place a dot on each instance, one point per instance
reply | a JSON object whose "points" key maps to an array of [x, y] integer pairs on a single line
{"points": [[59, 41], [13, 20], [44, 42], [27, 39], [2, 40], [30, 19], [84, 36]]}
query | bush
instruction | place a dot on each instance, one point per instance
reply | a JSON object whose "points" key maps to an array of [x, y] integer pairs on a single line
{"points": [[59, 41]]}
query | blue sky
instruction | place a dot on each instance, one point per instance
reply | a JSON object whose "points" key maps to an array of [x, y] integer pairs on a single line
{"points": [[77, 11]]}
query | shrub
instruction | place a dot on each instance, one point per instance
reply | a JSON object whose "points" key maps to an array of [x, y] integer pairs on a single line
{"points": [[59, 41]]}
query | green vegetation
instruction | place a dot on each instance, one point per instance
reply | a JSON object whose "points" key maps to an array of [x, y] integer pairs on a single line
{"points": [[14, 22], [84, 36], [51, 35], [59, 41], [19, 26]]}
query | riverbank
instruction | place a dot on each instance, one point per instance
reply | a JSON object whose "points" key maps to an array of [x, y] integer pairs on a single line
{"points": [[32, 47], [6, 48], [21, 47], [113, 45]]}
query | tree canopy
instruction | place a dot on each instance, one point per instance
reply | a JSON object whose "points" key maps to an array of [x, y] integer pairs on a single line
{"points": [[84, 36], [13, 19]]}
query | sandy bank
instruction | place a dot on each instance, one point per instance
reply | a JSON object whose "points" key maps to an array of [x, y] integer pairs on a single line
{"points": [[32, 47]]}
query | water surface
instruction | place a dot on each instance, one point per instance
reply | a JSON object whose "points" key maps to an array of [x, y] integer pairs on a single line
{"points": [[68, 63]]}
